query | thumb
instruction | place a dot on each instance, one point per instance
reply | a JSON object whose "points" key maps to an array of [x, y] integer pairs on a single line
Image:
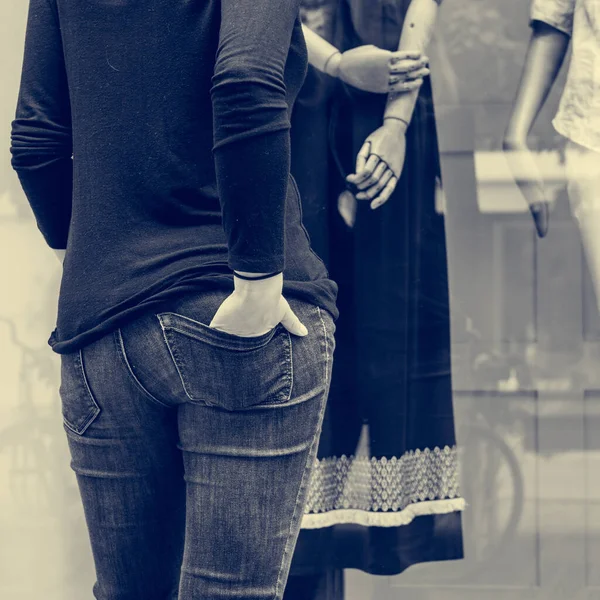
{"points": [[291, 322], [361, 158]]}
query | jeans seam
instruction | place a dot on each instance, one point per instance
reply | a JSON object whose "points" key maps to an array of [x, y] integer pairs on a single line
{"points": [[122, 352], [95, 410], [326, 344], [309, 463], [290, 359], [171, 349]]}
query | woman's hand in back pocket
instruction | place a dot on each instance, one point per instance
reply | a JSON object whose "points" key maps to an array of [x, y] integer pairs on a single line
{"points": [[255, 308]]}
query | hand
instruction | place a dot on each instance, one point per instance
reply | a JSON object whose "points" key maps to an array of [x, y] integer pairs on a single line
{"points": [[255, 308], [528, 179], [373, 69], [60, 254], [379, 163]]}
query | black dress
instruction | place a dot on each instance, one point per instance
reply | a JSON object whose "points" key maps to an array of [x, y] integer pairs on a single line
{"points": [[384, 494]]}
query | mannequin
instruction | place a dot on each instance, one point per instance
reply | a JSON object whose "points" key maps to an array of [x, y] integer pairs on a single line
{"points": [[367, 67], [556, 23], [367, 165]]}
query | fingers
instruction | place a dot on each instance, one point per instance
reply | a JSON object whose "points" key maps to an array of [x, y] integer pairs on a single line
{"points": [[367, 171], [416, 74], [375, 189], [406, 76], [374, 178], [405, 55], [291, 322], [405, 86], [540, 214], [402, 54], [385, 194], [404, 66], [363, 155]]}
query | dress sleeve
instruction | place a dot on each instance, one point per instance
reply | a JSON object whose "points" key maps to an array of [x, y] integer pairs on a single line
{"points": [[251, 128], [557, 13], [41, 142]]}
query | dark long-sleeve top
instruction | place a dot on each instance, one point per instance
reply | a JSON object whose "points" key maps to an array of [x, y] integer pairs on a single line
{"points": [[152, 142]]}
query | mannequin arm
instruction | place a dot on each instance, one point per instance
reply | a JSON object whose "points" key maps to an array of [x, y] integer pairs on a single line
{"points": [[321, 54], [380, 161], [416, 35], [545, 55], [367, 67]]}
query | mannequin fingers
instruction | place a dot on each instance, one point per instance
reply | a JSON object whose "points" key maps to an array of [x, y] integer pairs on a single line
{"points": [[417, 74], [407, 65], [400, 55], [540, 214], [405, 86], [385, 194], [363, 155], [378, 173], [366, 172], [373, 191]]}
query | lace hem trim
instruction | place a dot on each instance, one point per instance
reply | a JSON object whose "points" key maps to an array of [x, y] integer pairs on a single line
{"points": [[382, 519], [372, 484]]}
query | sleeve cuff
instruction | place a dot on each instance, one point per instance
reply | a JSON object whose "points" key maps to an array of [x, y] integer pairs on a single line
{"points": [[561, 20], [257, 265]]}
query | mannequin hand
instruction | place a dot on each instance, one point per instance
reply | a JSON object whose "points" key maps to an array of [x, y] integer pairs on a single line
{"points": [[372, 69], [60, 254], [528, 179], [379, 163], [256, 307]]}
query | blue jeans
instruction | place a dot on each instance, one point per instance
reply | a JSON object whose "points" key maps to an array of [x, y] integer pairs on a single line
{"points": [[193, 450]]}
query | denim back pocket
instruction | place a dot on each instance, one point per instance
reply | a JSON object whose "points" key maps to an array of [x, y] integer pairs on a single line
{"points": [[79, 407], [228, 371]]}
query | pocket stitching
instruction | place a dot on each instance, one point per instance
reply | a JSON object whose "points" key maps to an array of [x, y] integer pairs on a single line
{"points": [[211, 336], [95, 410], [290, 371], [178, 359], [208, 341], [172, 352]]}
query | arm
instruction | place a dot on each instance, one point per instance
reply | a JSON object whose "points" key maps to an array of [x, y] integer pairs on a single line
{"points": [[552, 23], [41, 144], [252, 129], [252, 159], [367, 68], [381, 159], [416, 35], [321, 54], [545, 55]]}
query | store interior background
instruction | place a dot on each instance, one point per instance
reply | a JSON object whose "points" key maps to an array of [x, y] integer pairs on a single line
{"points": [[526, 346]]}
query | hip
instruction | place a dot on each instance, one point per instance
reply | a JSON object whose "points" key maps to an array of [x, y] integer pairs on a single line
{"points": [[172, 357]]}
